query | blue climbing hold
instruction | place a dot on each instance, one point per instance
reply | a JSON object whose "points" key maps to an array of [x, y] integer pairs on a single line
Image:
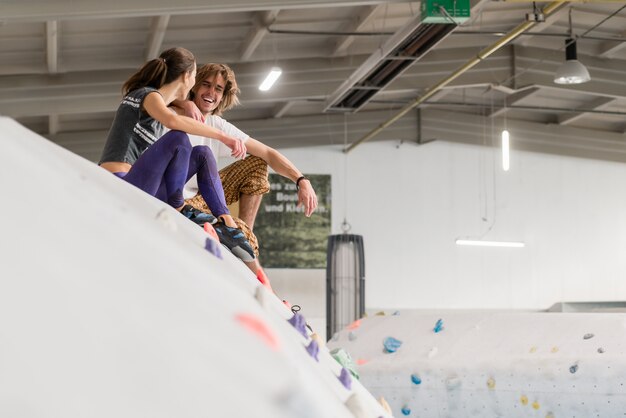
{"points": [[213, 247], [313, 349], [406, 411], [345, 379], [416, 379], [438, 326], [391, 344], [299, 323], [573, 369]]}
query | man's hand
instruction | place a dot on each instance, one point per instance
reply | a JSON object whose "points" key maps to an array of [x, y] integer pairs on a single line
{"points": [[307, 197], [191, 110], [237, 147]]}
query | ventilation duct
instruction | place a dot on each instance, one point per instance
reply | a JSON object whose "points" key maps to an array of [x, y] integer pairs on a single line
{"points": [[405, 47], [345, 281]]}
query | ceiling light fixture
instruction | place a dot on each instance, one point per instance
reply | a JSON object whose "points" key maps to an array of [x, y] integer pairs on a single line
{"points": [[571, 71], [271, 78], [505, 150], [480, 243]]}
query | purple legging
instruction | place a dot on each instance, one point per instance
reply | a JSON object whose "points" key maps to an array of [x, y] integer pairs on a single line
{"points": [[164, 168]]}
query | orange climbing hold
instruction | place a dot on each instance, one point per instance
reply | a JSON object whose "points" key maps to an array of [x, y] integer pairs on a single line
{"points": [[355, 324], [260, 329]]}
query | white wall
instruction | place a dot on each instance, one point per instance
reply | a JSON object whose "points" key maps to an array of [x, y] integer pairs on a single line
{"points": [[411, 202]]}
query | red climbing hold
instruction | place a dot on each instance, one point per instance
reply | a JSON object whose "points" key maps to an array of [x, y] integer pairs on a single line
{"points": [[265, 281], [260, 329], [208, 228], [361, 361]]}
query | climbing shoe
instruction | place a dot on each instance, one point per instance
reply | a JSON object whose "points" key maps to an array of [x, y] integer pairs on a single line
{"points": [[198, 216], [235, 240]]}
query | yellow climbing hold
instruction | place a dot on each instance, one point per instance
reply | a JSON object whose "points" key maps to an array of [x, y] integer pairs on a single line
{"points": [[555, 349], [535, 405], [384, 404], [491, 383], [381, 313], [549, 415], [524, 400], [533, 349]]}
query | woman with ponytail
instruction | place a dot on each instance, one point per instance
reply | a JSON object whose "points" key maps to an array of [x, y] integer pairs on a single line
{"points": [[139, 151]]}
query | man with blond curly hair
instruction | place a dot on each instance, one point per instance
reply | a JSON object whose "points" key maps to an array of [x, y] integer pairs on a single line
{"points": [[244, 181]]}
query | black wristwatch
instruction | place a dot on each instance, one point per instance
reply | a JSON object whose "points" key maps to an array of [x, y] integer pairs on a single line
{"points": [[299, 180]]}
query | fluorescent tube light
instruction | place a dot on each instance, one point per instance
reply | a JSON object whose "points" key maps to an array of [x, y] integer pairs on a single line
{"points": [[480, 243], [271, 78], [505, 150]]}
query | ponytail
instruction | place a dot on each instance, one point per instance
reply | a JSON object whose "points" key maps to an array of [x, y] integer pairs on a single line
{"points": [[170, 65]]}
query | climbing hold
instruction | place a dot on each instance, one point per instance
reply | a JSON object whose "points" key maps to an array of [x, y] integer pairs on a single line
{"points": [[549, 415], [453, 382], [335, 337], [573, 369], [433, 352], [491, 383], [396, 313], [438, 326], [416, 379], [384, 404], [313, 349], [391, 345], [354, 325], [533, 349], [163, 217], [535, 405], [265, 281], [343, 357], [319, 340], [600, 350], [213, 247], [587, 336], [208, 228], [554, 349], [299, 323], [287, 304], [361, 361], [345, 379], [524, 400], [357, 406], [260, 329], [406, 411], [380, 313], [352, 336]]}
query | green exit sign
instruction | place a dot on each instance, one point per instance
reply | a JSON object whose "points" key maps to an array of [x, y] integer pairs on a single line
{"points": [[445, 11]]}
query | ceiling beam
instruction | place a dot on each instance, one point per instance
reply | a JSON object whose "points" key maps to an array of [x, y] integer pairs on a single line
{"points": [[257, 33], [597, 104], [512, 99], [52, 46], [363, 17], [609, 48], [541, 27], [157, 34], [283, 108], [43, 10]]}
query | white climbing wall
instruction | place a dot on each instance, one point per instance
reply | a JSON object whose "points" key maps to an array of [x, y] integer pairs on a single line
{"points": [[114, 305], [492, 364]]}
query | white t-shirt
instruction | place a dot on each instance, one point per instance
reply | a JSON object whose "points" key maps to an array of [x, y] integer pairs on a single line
{"points": [[218, 149]]}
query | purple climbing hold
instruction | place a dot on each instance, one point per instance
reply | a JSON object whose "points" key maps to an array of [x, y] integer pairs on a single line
{"points": [[313, 349], [299, 323], [406, 411], [345, 379], [213, 247], [438, 326], [391, 344]]}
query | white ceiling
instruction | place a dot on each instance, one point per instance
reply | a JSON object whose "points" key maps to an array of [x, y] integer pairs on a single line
{"points": [[63, 63]]}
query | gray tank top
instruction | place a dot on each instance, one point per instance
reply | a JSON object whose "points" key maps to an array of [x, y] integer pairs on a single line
{"points": [[132, 131]]}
